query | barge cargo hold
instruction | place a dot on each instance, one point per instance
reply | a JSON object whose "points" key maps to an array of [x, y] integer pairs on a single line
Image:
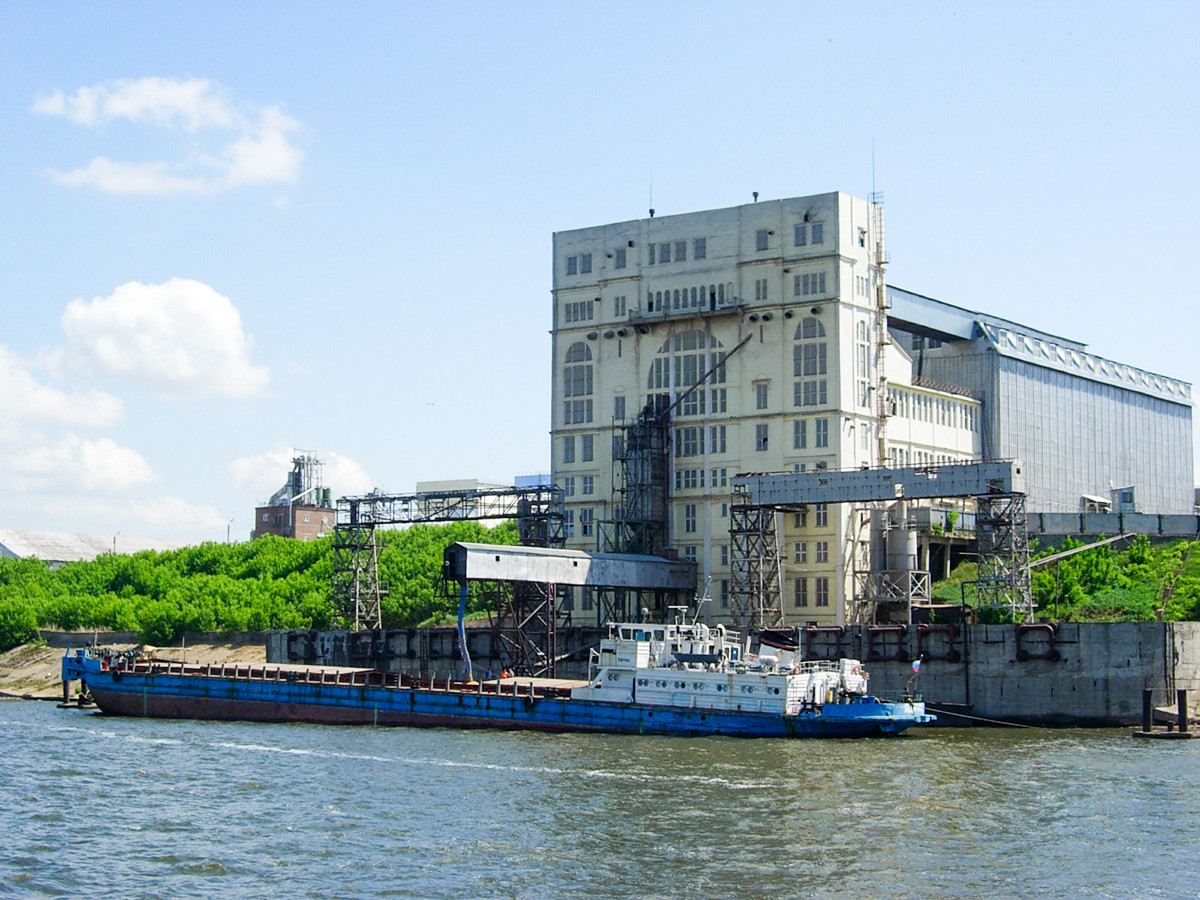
{"points": [[673, 679]]}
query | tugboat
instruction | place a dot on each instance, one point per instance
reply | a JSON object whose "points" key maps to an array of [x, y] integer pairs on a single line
{"points": [[676, 679]]}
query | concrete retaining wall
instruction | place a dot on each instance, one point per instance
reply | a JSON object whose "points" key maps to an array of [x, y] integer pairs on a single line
{"points": [[1067, 674]]}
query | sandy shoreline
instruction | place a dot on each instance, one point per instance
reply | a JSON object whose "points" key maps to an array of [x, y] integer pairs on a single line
{"points": [[33, 671]]}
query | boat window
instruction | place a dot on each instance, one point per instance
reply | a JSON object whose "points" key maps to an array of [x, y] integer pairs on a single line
{"points": [[659, 635], [625, 632]]}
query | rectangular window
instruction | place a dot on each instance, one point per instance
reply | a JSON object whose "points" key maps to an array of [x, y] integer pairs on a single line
{"points": [[587, 447], [585, 263], [619, 408], [720, 477], [619, 307], [724, 593], [569, 522], [717, 438], [680, 251], [589, 484], [760, 437], [569, 486], [822, 554], [821, 518], [818, 233], [800, 434], [724, 555], [760, 239], [572, 265], [760, 289], [689, 441], [650, 253], [700, 248], [664, 253], [801, 592], [822, 433], [586, 518], [800, 235], [717, 395], [760, 396], [689, 518], [822, 592], [810, 393], [689, 553], [801, 552], [800, 519], [619, 258], [568, 447]]}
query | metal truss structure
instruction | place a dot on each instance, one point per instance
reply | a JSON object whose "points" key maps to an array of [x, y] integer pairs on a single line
{"points": [[1001, 527], [1001, 530], [357, 590], [754, 593]]}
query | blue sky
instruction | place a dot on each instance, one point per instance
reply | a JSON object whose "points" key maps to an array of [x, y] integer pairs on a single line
{"points": [[231, 230]]}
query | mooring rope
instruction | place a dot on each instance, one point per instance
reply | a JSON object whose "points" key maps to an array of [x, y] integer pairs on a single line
{"points": [[949, 712]]}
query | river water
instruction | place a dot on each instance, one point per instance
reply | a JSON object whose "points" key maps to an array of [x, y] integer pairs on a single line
{"points": [[105, 807]]}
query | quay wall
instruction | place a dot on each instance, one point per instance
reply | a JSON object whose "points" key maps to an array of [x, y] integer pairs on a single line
{"points": [[1080, 674]]}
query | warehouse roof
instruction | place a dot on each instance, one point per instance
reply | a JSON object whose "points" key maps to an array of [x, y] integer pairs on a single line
{"points": [[62, 546]]}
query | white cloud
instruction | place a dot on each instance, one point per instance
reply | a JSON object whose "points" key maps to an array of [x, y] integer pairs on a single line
{"points": [[153, 516], [181, 338], [267, 472], [23, 399], [258, 151], [102, 466], [132, 178]]}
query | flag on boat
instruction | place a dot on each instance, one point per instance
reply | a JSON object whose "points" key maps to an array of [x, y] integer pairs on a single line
{"points": [[916, 665]]}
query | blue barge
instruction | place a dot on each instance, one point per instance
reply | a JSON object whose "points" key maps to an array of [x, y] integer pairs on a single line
{"points": [[674, 679]]}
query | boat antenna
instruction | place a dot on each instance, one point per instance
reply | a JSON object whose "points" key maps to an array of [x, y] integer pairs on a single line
{"points": [[707, 598]]}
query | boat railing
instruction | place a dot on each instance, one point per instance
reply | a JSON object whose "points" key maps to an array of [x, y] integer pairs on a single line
{"points": [[351, 677]]}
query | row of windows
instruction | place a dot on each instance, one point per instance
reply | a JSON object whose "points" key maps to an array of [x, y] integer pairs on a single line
{"points": [[579, 265], [677, 251], [578, 311], [808, 285], [820, 516], [712, 296], [820, 592], [690, 440], [587, 447], [921, 407], [820, 555], [907, 456], [803, 234], [687, 479], [587, 485]]}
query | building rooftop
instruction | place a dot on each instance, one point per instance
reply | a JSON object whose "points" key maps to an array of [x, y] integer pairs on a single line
{"points": [[62, 546]]}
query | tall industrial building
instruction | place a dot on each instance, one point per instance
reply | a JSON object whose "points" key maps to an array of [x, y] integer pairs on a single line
{"points": [[762, 338]]}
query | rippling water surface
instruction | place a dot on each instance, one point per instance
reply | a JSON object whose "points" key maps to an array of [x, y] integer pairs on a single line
{"points": [[98, 806]]}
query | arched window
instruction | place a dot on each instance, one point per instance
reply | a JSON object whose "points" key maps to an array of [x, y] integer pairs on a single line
{"points": [[680, 363], [810, 363], [577, 384]]}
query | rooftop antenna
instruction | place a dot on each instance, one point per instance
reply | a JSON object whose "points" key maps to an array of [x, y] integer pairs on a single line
{"points": [[652, 193]]}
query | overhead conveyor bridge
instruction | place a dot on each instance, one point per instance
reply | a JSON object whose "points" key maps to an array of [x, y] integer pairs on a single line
{"points": [[998, 488], [869, 485]]}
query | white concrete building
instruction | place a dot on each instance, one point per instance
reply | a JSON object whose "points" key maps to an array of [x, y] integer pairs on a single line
{"points": [[776, 303]]}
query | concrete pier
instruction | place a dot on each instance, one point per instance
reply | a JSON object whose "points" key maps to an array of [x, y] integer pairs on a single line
{"points": [[1068, 674]]}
